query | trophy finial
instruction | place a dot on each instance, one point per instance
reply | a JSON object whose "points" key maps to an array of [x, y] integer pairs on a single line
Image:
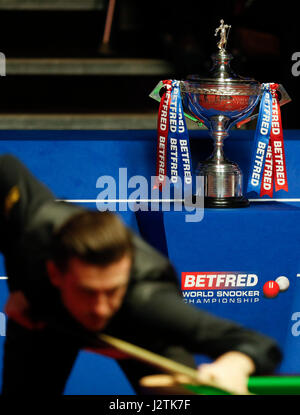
{"points": [[223, 36]]}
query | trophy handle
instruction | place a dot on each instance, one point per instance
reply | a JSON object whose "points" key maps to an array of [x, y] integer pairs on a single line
{"points": [[284, 99], [155, 94]]}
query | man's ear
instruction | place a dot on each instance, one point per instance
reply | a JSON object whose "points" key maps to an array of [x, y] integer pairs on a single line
{"points": [[54, 273]]}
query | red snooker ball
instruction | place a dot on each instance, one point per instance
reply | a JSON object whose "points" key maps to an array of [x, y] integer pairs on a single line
{"points": [[271, 289]]}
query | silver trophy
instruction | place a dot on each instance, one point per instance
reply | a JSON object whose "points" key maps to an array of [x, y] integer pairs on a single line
{"points": [[220, 102]]}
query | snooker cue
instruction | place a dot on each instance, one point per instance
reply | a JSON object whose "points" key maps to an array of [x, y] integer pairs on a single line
{"points": [[154, 359], [161, 362]]}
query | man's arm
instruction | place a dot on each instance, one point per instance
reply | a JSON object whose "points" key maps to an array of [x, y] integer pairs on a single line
{"points": [[159, 308], [18, 309], [21, 194]]}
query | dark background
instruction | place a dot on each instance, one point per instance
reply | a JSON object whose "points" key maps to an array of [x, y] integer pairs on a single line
{"points": [[263, 37]]}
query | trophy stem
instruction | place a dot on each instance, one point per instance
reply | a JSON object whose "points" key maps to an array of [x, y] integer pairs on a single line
{"points": [[218, 154], [222, 178]]}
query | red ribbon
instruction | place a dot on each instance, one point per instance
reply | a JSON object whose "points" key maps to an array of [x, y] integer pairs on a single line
{"points": [[275, 165], [280, 176], [162, 135]]}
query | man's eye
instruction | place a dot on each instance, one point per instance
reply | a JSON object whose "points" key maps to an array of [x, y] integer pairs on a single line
{"points": [[87, 292]]}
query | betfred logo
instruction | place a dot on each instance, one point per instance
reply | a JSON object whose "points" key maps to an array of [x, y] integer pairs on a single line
{"points": [[216, 280]]}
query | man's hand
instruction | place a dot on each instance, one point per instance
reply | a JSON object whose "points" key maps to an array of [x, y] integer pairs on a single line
{"points": [[18, 309], [229, 372]]}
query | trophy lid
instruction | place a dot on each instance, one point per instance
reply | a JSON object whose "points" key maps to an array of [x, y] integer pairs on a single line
{"points": [[221, 72]]}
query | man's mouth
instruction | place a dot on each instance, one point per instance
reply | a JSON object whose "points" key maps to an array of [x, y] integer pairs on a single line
{"points": [[96, 322]]}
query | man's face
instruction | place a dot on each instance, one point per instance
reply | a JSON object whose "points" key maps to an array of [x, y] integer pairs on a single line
{"points": [[92, 293]]}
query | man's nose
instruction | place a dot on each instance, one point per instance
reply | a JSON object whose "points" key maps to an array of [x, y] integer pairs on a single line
{"points": [[101, 306]]}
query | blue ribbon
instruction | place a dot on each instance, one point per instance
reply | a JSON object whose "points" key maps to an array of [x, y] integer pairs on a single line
{"points": [[179, 153], [261, 141]]}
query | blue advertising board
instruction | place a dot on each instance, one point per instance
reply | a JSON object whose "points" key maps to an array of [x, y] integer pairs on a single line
{"points": [[261, 240]]}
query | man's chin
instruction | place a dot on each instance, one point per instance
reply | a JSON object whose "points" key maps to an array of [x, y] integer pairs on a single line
{"points": [[95, 326]]}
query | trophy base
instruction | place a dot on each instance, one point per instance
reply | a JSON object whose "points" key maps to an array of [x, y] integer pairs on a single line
{"points": [[226, 202]]}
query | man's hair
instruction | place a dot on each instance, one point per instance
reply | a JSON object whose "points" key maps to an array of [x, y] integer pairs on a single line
{"points": [[98, 238]]}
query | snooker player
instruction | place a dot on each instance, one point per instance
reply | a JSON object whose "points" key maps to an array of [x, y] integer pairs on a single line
{"points": [[73, 273]]}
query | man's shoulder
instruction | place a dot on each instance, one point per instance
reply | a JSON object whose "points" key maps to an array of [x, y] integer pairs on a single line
{"points": [[35, 244], [52, 214], [147, 259]]}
